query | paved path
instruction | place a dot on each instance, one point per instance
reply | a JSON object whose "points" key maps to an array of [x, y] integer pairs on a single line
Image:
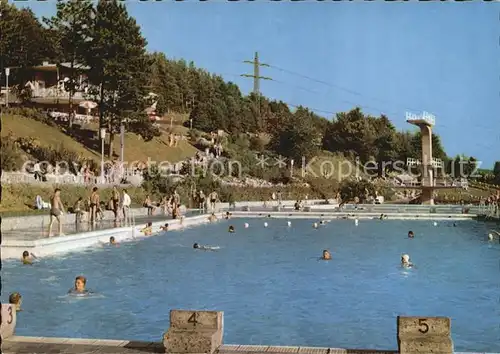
{"points": [[33, 234], [32, 345]]}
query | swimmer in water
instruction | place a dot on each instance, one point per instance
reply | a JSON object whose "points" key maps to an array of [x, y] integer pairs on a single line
{"points": [[16, 299], [321, 222], [212, 217], [326, 255], [28, 258], [112, 241], [405, 261], [315, 225], [228, 215], [204, 248], [164, 227], [231, 229], [80, 283], [411, 234], [148, 230]]}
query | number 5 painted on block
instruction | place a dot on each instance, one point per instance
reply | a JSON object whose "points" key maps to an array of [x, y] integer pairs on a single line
{"points": [[421, 323]]}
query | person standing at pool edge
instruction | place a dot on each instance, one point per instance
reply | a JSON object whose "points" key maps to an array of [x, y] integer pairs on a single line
{"points": [[116, 202], [56, 211], [94, 204], [125, 205]]}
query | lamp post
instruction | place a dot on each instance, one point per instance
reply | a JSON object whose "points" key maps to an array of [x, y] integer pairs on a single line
{"points": [[103, 136], [291, 168], [191, 123], [7, 73]]}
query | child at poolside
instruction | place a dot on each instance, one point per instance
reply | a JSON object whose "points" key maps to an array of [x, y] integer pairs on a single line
{"points": [[16, 299], [148, 230]]}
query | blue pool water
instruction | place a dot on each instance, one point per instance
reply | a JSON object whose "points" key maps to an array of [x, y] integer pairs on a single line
{"points": [[271, 286]]}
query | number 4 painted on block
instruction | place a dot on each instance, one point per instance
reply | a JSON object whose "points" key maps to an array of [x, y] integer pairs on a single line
{"points": [[192, 319]]}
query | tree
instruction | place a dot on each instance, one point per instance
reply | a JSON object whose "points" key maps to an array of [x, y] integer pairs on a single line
{"points": [[72, 29], [24, 43], [298, 137], [351, 190], [118, 68]]}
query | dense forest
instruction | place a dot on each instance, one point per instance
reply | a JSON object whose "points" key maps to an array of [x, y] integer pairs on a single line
{"points": [[104, 37]]}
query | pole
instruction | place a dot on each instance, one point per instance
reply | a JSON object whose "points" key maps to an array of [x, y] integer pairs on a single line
{"points": [[191, 123], [103, 136], [122, 149], [102, 160], [122, 143], [256, 74], [7, 73]]}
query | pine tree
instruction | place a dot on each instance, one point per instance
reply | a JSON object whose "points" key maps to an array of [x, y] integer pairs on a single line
{"points": [[119, 70], [71, 26]]}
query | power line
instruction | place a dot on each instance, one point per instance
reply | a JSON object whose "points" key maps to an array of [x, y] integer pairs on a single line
{"points": [[382, 111], [338, 87]]}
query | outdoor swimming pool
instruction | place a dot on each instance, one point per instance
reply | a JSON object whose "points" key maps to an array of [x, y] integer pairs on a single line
{"points": [[271, 286]]}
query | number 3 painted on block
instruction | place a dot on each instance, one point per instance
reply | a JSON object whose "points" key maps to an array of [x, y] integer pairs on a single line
{"points": [[421, 323], [192, 319], [10, 318]]}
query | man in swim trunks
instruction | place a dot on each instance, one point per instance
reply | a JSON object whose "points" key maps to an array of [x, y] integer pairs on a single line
{"points": [[115, 197], [213, 199], [56, 210], [94, 205]]}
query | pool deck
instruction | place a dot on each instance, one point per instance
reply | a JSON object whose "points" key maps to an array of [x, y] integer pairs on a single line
{"points": [[46, 345]]}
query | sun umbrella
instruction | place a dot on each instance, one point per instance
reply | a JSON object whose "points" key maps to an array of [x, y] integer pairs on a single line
{"points": [[88, 104]]}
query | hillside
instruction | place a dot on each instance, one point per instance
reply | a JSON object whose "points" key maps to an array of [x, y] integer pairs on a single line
{"points": [[88, 146]]}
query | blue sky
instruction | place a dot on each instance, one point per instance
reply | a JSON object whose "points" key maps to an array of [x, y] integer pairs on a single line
{"points": [[384, 57]]}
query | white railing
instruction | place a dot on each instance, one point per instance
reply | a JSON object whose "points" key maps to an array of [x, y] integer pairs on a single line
{"points": [[55, 92], [65, 117], [437, 163], [413, 162]]}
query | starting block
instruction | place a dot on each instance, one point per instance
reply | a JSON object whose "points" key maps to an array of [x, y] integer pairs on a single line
{"points": [[8, 319], [194, 332], [424, 335]]}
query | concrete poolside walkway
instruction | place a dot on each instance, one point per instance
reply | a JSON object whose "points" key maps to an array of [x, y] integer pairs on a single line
{"points": [[47, 345], [33, 234], [18, 344]]}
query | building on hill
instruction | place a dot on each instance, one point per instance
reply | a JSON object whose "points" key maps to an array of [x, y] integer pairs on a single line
{"points": [[47, 87]]}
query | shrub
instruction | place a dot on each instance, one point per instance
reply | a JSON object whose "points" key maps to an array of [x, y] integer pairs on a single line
{"points": [[11, 156]]}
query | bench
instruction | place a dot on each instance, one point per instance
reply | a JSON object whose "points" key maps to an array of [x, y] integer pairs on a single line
{"points": [[194, 332]]}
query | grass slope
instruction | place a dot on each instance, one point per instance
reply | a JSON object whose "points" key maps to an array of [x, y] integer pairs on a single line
{"points": [[136, 149]]}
